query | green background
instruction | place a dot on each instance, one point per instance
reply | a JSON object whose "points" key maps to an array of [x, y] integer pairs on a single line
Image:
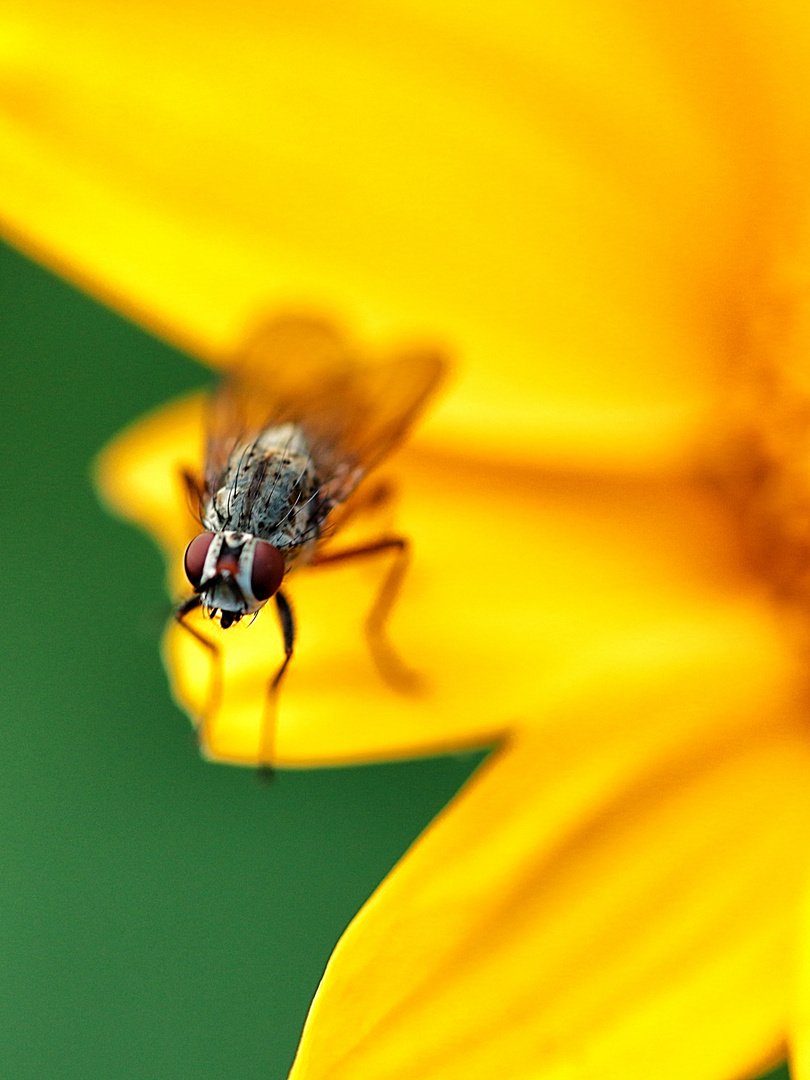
{"points": [[160, 918]]}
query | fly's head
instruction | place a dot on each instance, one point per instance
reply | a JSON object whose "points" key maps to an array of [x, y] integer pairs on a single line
{"points": [[234, 573]]}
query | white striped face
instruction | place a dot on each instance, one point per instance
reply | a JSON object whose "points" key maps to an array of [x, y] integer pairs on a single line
{"points": [[234, 573]]}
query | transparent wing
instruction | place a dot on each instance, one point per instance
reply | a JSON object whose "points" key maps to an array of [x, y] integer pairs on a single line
{"points": [[301, 370]]}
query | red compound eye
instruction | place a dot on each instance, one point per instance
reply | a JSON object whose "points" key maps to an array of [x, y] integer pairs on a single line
{"points": [[267, 571], [195, 557]]}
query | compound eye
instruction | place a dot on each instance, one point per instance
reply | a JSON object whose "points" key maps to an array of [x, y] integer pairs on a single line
{"points": [[194, 560], [267, 571]]}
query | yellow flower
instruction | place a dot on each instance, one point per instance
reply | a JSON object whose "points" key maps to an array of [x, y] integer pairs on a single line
{"points": [[601, 210]]}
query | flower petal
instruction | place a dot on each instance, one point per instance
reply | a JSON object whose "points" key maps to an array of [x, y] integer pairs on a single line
{"points": [[584, 204], [574, 199], [521, 583], [613, 895], [799, 1044]]}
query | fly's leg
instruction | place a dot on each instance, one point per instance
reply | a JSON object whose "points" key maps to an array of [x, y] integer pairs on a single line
{"points": [[267, 736], [385, 657], [194, 491], [215, 684]]}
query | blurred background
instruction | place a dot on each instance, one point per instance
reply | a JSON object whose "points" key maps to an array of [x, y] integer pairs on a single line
{"points": [[159, 916], [599, 186]]}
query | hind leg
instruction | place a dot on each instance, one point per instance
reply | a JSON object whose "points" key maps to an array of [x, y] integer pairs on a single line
{"points": [[387, 660]]}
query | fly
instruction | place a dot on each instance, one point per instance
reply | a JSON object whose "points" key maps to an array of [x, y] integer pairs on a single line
{"points": [[291, 435]]}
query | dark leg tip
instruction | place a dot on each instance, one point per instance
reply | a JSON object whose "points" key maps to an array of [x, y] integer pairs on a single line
{"points": [[265, 775]]}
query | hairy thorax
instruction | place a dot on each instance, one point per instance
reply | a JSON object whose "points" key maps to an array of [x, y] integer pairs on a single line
{"points": [[270, 489]]}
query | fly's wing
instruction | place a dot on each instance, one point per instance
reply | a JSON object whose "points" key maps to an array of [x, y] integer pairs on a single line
{"points": [[301, 370], [281, 363]]}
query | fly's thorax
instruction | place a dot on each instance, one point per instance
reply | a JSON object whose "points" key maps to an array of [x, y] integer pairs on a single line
{"points": [[270, 489], [234, 572]]}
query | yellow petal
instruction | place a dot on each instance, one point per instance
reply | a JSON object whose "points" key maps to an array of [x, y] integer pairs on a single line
{"points": [[590, 206], [799, 1045], [574, 199], [613, 895], [520, 581]]}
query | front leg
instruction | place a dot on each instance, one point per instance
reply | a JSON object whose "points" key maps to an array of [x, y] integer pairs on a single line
{"points": [[214, 694], [267, 735]]}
